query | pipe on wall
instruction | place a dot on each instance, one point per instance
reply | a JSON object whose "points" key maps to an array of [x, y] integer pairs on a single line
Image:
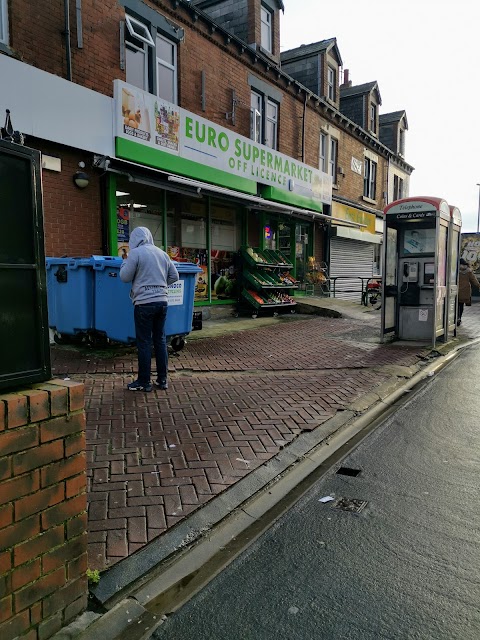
{"points": [[304, 125], [68, 47]]}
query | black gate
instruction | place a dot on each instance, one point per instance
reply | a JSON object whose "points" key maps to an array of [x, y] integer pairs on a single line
{"points": [[24, 343]]}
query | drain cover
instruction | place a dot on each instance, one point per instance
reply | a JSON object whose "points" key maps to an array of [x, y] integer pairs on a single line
{"points": [[354, 505], [347, 471]]}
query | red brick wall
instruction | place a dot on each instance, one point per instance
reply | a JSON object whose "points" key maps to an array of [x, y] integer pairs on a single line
{"points": [[43, 521], [37, 37], [72, 216]]}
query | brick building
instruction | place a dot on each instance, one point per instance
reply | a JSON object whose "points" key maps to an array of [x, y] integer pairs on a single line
{"points": [[186, 119]]}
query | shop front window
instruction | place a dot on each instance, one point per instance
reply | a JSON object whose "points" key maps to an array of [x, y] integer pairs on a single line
{"points": [[225, 242], [284, 240], [187, 237], [138, 206], [270, 234]]}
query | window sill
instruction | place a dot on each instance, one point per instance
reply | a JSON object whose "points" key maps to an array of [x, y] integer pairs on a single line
{"points": [[369, 200], [4, 48]]}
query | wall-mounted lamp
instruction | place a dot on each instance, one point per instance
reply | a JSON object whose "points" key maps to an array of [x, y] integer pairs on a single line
{"points": [[81, 179]]}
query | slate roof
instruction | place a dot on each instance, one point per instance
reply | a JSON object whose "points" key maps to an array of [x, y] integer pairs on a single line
{"points": [[358, 90], [306, 50], [395, 116], [212, 2]]}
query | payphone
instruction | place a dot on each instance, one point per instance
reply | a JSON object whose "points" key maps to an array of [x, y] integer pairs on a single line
{"points": [[418, 272]]}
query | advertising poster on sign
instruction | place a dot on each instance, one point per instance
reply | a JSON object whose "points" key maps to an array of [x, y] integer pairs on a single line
{"points": [[470, 250]]}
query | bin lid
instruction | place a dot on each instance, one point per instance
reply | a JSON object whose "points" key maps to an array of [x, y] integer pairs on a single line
{"points": [[106, 262], [187, 267], [69, 263]]}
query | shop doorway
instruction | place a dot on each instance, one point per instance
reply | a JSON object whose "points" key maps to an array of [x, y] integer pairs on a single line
{"points": [[301, 250]]}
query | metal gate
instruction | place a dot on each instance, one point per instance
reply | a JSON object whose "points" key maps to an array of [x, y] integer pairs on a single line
{"points": [[350, 260], [24, 344]]}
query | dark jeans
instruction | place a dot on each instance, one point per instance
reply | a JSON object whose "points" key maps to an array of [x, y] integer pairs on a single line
{"points": [[460, 310], [150, 324]]}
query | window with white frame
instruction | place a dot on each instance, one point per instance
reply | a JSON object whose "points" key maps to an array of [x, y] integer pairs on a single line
{"points": [[328, 155], [166, 69], [256, 103], [264, 120], [4, 21], [266, 30], [323, 152], [331, 83], [332, 160], [373, 118], [271, 124], [369, 179], [151, 65]]}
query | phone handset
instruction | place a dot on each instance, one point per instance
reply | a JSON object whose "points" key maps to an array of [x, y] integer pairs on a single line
{"points": [[410, 272]]}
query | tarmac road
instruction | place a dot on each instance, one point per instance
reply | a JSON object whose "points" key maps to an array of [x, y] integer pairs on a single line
{"points": [[407, 566]]}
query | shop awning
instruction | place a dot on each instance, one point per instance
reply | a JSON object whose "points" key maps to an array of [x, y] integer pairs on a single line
{"points": [[164, 180], [256, 201]]}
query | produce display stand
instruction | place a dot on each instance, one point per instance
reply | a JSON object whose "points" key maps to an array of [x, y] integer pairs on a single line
{"points": [[266, 282]]}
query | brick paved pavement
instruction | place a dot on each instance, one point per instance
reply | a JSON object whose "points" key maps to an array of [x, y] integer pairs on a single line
{"points": [[234, 401]]}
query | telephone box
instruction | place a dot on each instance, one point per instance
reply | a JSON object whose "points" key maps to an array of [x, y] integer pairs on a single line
{"points": [[420, 253]]}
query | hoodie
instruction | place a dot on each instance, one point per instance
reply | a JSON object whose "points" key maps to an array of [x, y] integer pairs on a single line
{"points": [[148, 268]]}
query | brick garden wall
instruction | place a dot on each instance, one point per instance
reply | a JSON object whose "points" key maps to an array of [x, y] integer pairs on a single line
{"points": [[43, 520]]}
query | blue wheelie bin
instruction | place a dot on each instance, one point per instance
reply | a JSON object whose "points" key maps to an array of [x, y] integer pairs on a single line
{"points": [[181, 295], [70, 296], [113, 316], [113, 309]]}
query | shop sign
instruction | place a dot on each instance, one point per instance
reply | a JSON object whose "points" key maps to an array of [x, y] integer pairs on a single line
{"points": [[351, 214], [165, 127]]}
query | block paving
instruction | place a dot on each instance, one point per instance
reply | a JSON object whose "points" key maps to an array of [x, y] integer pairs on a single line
{"points": [[234, 401]]}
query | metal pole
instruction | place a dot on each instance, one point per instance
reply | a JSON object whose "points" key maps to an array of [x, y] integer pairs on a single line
{"points": [[478, 215]]}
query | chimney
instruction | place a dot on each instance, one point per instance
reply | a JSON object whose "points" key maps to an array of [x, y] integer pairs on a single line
{"points": [[346, 81]]}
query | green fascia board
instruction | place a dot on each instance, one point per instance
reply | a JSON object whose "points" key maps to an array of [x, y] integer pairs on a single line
{"points": [[141, 154], [288, 197]]}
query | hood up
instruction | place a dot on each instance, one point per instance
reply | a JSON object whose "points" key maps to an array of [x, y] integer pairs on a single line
{"points": [[139, 236]]}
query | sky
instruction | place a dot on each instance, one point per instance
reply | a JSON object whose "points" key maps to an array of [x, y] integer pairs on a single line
{"points": [[425, 56]]}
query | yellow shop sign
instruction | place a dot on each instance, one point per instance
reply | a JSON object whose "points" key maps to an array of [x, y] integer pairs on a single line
{"points": [[351, 214]]}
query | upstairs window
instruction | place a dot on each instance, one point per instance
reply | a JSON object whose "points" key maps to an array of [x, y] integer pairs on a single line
{"points": [[323, 152], [331, 84], [332, 160], [373, 118], [256, 102], [263, 120], [151, 64], [266, 34], [328, 155], [370, 179], [4, 22], [166, 69], [398, 189], [271, 125], [401, 142]]}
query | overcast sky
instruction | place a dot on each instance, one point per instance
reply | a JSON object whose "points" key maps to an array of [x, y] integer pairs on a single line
{"points": [[425, 56]]}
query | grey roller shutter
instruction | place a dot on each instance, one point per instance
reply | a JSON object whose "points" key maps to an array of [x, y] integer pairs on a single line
{"points": [[351, 260]]}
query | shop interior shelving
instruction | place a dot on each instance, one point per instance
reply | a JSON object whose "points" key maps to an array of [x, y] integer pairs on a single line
{"points": [[266, 282]]}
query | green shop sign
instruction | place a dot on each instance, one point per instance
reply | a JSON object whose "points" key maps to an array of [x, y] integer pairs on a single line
{"points": [[160, 134]]}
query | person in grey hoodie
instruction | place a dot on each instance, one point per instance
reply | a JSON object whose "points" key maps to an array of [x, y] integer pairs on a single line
{"points": [[150, 271]]}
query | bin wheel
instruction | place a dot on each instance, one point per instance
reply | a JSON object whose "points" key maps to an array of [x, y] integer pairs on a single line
{"points": [[177, 343], [254, 315], [98, 340], [293, 311]]}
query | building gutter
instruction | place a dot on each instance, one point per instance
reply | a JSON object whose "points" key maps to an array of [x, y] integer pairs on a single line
{"points": [[68, 47]]}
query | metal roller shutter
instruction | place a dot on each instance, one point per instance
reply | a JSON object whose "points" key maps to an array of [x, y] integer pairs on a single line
{"points": [[350, 259]]}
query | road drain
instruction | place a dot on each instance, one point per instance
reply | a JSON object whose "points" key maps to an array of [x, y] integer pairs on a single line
{"points": [[347, 471], [350, 504]]}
